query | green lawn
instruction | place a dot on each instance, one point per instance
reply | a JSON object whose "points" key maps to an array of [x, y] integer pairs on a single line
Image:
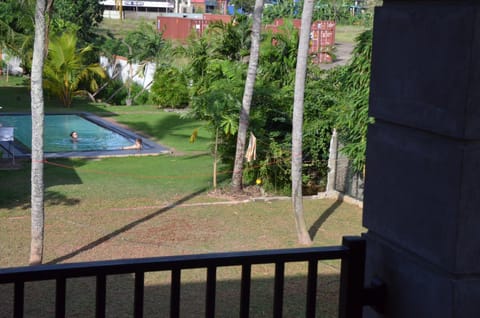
{"points": [[115, 208], [347, 33]]}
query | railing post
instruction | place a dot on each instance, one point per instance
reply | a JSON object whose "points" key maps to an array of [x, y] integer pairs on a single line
{"points": [[352, 278], [245, 291], [60, 295], [139, 294], [18, 300], [210, 292], [175, 293], [312, 288], [278, 289], [101, 296]]}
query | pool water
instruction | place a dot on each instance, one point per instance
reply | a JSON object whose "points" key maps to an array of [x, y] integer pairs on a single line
{"points": [[57, 129]]}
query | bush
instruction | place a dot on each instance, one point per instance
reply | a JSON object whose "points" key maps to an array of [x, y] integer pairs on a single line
{"points": [[116, 93], [169, 88]]}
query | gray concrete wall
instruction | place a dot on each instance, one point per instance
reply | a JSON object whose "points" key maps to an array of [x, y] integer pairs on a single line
{"points": [[422, 192]]}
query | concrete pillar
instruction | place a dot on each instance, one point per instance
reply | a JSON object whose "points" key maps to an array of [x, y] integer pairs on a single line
{"points": [[332, 163], [422, 192]]}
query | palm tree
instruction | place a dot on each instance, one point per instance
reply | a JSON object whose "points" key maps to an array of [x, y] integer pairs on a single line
{"points": [[148, 45], [37, 196], [65, 69], [199, 52], [247, 97], [297, 123], [231, 40], [279, 55]]}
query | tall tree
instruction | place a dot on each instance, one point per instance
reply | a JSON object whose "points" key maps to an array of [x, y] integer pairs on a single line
{"points": [[247, 97], [86, 14], [297, 123], [37, 105]]}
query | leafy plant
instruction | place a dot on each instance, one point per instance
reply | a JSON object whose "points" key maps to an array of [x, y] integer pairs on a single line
{"points": [[169, 88], [352, 115], [65, 69]]}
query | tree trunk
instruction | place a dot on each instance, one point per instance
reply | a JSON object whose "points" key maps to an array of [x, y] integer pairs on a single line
{"points": [[37, 187], [297, 123], [247, 97]]}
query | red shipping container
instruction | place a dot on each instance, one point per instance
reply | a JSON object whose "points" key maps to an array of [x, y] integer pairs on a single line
{"points": [[174, 28], [218, 17]]}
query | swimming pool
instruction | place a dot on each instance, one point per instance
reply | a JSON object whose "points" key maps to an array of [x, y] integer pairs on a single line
{"points": [[97, 137]]}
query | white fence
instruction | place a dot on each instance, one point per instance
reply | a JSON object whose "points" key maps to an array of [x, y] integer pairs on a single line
{"points": [[12, 64], [141, 74]]}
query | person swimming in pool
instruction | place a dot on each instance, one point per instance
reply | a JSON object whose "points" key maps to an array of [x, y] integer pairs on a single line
{"points": [[137, 145], [74, 136]]}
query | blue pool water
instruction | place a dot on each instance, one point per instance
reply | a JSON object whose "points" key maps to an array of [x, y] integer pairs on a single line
{"points": [[92, 136]]}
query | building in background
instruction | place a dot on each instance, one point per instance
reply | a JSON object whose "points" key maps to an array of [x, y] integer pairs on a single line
{"points": [[118, 9], [132, 9]]}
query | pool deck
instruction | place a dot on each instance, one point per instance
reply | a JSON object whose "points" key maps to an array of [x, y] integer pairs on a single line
{"points": [[150, 148]]}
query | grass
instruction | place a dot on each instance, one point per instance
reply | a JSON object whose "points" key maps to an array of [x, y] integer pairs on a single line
{"points": [[348, 33], [115, 208], [120, 28]]}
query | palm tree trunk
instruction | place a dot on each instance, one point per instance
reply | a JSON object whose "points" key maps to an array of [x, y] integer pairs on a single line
{"points": [[37, 196], [247, 97], [297, 129]]}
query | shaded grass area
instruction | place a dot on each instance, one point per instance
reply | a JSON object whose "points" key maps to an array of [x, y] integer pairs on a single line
{"points": [[108, 182]]}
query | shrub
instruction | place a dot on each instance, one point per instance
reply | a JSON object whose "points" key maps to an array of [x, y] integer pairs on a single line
{"points": [[169, 88]]}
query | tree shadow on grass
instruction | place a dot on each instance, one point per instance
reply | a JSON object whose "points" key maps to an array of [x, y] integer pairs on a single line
{"points": [[167, 125], [125, 228], [16, 184], [14, 99], [323, 218]]}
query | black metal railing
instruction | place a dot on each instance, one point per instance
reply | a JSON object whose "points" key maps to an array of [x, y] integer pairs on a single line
{"points": [[353, 295]]}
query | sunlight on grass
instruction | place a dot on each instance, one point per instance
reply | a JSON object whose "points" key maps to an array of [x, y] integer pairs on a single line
{"points": [[348, 33]]}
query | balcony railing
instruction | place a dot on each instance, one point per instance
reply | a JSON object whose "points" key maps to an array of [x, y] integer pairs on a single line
{"points": [[353, 295]]}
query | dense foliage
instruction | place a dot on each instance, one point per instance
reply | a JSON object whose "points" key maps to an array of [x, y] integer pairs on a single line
{"points": [[351, 115], [170, 88], [16, 29], [340, 11], [86, 14], [207, 76]]}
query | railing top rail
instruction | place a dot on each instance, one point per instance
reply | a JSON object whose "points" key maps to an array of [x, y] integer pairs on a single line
{"points": [[124, 266]]}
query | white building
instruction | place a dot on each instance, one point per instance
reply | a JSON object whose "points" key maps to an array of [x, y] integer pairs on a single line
{"points": [[135, 9]]}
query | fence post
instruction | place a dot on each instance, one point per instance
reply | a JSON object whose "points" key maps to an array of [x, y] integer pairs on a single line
{"points": [[332, 162], [352, 278]]}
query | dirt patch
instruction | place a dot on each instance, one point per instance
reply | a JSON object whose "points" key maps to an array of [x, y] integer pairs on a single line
{"points": [[174, 230], [343, 53], [228, 194]]}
